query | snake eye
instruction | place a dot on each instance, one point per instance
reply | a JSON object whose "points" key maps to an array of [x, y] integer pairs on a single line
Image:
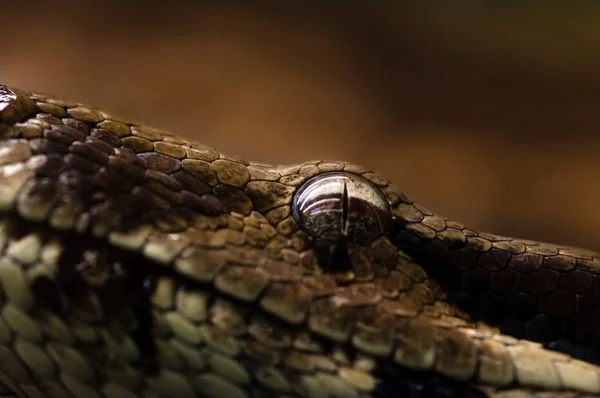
{"points": [[335, 207]]}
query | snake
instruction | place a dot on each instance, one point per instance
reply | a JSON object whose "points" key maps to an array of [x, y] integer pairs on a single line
{"points": [[137, 263]]}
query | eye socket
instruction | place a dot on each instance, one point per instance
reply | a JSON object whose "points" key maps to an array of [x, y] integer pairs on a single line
{"points": [[341, 206]]}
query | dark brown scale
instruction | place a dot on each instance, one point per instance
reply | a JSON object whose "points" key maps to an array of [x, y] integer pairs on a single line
{"points": [[384, 254], [100, 145], [523, 307], [146, 199], [588, 331], [79, 163], [44, 146], [205, 204], [462, 259], [77, 125], [494, 259], [586, 264], [544, 328], [120, 166], [560, 263], [234, 198], [114, 181], [505, 282], [49, 165], [106, 137], [539, 282], [159, 162], [191, 183], [560, 304], [526, 262], [48, 118], [130, 156], [267, 195], [588, 305], [88, 151], [173, 197], [476, 281], [62, 134], [164, 179], [577, 281]]}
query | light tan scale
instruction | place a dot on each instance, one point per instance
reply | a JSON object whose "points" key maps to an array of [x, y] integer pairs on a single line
{"points": [[134, 263]]}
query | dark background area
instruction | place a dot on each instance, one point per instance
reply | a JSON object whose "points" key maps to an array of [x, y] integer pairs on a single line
{"points": [[487, 112]]}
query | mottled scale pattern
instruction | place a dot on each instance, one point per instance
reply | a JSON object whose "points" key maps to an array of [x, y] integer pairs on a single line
{"points": [[135, 263]]}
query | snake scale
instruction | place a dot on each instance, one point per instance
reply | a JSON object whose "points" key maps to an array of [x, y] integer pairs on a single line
{"points": [[135, 263]]}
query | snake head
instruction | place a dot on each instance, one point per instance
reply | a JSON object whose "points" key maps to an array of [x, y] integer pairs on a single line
{"points": [[171, 247]]}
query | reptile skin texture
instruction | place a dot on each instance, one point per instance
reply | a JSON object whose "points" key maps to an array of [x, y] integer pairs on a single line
{"points": [[135, 263]]}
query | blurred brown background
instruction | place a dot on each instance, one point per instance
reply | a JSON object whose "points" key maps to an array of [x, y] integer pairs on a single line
{"points": [[486, 112]]}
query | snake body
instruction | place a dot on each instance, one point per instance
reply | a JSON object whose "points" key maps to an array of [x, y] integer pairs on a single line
{"points": [[135, 263]]}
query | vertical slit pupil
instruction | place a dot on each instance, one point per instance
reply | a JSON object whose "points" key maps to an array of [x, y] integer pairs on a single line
{"points": [[345, 210]]}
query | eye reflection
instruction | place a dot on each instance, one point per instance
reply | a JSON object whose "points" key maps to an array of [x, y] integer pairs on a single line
{"points": [[341, 208]]}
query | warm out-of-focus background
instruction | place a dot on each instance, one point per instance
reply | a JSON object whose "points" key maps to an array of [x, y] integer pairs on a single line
{"points": [[487, 112]]}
